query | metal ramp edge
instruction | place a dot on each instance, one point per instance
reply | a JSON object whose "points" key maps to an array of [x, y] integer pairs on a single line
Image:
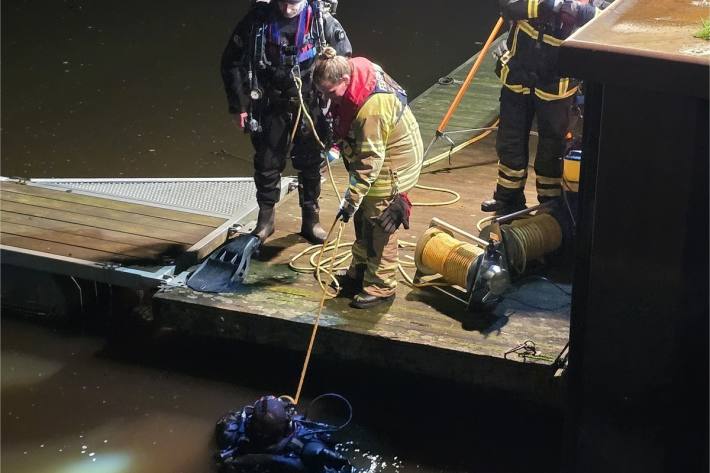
{"points": [[226, 197]]}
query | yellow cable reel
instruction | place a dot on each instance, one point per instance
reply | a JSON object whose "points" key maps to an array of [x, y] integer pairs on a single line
{"points": [[438, 252]]}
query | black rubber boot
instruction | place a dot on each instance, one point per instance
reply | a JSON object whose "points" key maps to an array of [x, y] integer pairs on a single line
{"points": [[311, 229], [365, 301], [348, 286], [503, 207], [489, 205], [265, 223]]}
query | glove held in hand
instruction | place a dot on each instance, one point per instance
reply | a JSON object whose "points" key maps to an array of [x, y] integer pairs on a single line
{"points": [[396, 214]]}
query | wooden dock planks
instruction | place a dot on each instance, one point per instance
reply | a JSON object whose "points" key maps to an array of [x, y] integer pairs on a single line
{"points": [[98, 229], [422, 331]]}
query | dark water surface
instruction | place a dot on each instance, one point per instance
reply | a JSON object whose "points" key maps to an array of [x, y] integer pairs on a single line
{"points": [[81, 403], [132, 89]]}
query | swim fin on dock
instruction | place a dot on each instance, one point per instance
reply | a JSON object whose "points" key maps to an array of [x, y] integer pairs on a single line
{"points": [[225, 269]]}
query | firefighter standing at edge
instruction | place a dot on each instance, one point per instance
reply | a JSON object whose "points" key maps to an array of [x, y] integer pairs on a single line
{"points": [[532, 86], [382, 149], [288, 30]]}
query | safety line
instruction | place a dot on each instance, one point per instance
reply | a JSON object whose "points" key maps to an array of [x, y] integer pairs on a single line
{"points": [[320, 307]]}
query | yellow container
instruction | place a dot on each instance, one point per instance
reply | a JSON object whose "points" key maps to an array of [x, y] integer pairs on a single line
{"points": [[570, 170]]}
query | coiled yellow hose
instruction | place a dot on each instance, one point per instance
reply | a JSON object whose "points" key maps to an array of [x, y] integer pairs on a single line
{"points": [[443, 254], [532, 238]]}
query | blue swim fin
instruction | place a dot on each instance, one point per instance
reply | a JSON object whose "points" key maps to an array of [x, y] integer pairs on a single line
{"points": [[225, 269]]}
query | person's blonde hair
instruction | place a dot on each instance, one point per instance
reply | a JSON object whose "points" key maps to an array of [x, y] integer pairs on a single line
{"points": [[330, 67]]}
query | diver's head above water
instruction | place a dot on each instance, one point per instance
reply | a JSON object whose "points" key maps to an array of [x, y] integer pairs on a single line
{"points": [[270, 421], [291, 8]]}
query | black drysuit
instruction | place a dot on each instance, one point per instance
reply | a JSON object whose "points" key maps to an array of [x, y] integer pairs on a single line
{"points": [[277, 109]]}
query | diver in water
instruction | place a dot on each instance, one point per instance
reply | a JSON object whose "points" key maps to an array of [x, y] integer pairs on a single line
{"points": [[270, 436]]}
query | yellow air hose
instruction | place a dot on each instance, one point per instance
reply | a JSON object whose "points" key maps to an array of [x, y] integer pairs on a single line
{"points": [[440, 253], [531, 238]]}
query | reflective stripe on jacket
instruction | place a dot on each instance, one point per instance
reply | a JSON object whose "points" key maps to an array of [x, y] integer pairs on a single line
{"points": [[530, 65], [383, 151]]}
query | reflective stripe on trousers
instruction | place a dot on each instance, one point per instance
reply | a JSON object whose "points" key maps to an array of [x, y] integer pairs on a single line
{"points": [[512, 143]]}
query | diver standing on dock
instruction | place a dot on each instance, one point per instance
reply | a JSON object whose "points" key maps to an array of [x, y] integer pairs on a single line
{"points": [[266, 69], [382, 150], [532, 87]]}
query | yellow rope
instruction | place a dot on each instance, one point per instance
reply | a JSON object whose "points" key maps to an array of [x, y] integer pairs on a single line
{"points": [[320, 306], [452, 258], [296, 122], [299, 85], [531, 239], [479, 224], [312, 251], [456, 195]]}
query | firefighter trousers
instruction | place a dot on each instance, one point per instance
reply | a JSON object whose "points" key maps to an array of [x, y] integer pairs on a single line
{"points": [[374, 249], [517, 111]]}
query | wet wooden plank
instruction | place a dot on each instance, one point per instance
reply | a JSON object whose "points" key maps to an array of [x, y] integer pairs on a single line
{"points": [[83, 230], [75, 225], [98, 222], [194, 231], [61, 249], [53, 236], [107, 203]]}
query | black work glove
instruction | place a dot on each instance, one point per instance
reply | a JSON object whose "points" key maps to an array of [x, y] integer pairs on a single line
{"points": [[345, 212], [396, 214]]}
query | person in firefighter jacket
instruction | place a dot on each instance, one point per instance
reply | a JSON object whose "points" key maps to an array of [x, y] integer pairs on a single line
{"points": [[533, 87], [382, 149], [266, 65]]}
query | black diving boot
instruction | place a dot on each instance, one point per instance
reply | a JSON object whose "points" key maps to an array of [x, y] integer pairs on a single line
{"points": [[311, 229], [265, 223]]}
